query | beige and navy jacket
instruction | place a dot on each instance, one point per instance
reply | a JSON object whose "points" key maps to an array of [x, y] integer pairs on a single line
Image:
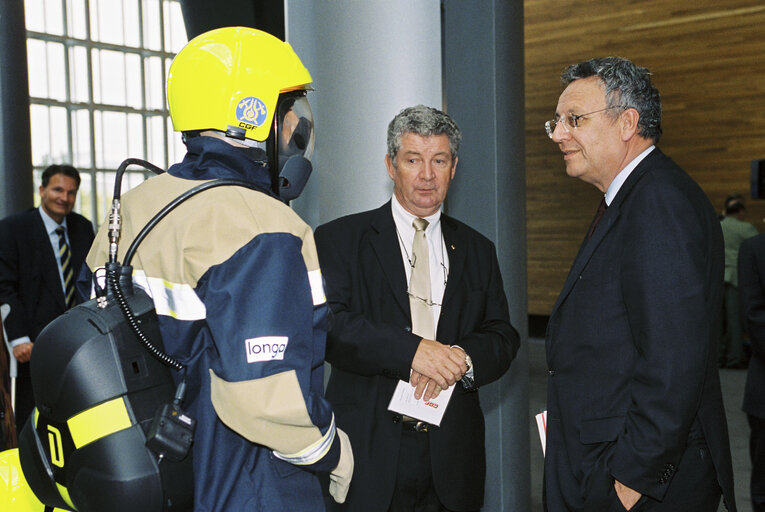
{"points": [[236, 283]]}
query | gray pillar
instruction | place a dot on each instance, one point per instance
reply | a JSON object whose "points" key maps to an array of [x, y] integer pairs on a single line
{"points": [[370, 59], [16, 192], [483, 86]]}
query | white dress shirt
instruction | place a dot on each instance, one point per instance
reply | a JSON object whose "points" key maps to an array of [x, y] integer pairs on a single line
{"points": [[50, 228], [620, 178]]}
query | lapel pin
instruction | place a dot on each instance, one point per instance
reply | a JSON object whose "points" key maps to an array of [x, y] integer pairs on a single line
{"points": [[452, 246]]}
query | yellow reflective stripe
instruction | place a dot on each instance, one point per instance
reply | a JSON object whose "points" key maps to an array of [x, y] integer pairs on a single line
{"points": [[99, 421], [64, 492], [317, 287], [176, 300], [56, 446]]}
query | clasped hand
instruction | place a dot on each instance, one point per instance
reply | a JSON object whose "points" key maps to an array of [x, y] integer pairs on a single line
{"points": [[435, 367]]}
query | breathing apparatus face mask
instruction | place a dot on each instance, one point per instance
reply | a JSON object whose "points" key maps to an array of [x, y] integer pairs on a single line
{"points": [[288, 149], [294, 144]]}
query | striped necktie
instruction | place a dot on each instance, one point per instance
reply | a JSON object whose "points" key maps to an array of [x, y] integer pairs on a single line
{"points": [[65, 257]]}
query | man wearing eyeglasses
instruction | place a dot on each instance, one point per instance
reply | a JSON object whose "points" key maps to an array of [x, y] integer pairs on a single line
{"points": [[635, 414], [390, 329]]}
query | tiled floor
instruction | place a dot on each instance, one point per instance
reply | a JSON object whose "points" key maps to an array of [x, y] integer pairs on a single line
{"points": [[732, 386]]}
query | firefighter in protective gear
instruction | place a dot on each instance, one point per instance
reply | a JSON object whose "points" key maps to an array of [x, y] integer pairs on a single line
{"points": [[235, 278]]}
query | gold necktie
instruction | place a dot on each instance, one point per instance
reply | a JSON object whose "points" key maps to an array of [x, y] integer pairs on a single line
{"points": [[419, 284]]}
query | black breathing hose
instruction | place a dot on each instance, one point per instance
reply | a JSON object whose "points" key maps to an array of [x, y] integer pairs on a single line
{"points": [[112, 276], [113, 266]]}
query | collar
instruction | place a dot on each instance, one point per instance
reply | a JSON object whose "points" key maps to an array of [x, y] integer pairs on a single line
{"points": [[620, 178], [50, 224], [404, 219], [209, 158]]}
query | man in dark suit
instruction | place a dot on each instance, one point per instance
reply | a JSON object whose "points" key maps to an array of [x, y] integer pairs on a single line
{"points": [[635, 414], [751, 287], [33, 262], [402, 464]]}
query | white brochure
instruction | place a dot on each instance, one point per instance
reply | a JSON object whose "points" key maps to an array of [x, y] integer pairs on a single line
{"points": [[542, 427], [403, 402]]}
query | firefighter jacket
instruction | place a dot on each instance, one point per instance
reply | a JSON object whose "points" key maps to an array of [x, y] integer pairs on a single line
{"points": [[235, 280]]}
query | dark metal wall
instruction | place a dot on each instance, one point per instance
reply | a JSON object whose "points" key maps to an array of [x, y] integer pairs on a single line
{"points": [[16, 187], [202, 15]]}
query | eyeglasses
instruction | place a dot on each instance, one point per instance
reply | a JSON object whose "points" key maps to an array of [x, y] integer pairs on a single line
{"points": [[571, 120], [427, 302]]}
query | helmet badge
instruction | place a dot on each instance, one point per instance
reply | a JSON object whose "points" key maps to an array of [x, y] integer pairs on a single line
{"points": [[251, 110]]}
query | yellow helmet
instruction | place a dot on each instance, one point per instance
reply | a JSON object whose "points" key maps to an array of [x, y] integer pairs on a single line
{"points": [[229, 79], [15, 493]]}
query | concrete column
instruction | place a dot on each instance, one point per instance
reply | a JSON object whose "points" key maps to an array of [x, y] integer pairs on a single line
{"points": [[16, 192], [368, 61]]}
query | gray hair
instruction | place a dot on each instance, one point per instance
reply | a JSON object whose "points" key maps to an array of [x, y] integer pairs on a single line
{"points": [[423, 121], [626, 85]]}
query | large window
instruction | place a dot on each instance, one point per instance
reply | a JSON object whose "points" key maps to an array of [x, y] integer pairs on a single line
{"points": [[97, 71]]}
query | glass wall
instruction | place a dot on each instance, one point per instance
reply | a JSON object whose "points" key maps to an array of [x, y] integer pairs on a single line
{"points": [[97, 71]]}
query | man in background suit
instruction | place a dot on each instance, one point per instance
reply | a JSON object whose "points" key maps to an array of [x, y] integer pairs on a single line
{"points": [[735, 230], [32, 279], [402, 464], [751, 278], [635, 414]]}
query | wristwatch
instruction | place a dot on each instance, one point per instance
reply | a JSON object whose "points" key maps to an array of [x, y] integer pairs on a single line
{"points": [[467, 380]]}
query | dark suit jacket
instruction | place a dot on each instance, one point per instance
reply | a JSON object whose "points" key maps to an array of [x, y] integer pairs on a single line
{"points": [[29, 278], [370, 346], [632, 345], [751, 287]]}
